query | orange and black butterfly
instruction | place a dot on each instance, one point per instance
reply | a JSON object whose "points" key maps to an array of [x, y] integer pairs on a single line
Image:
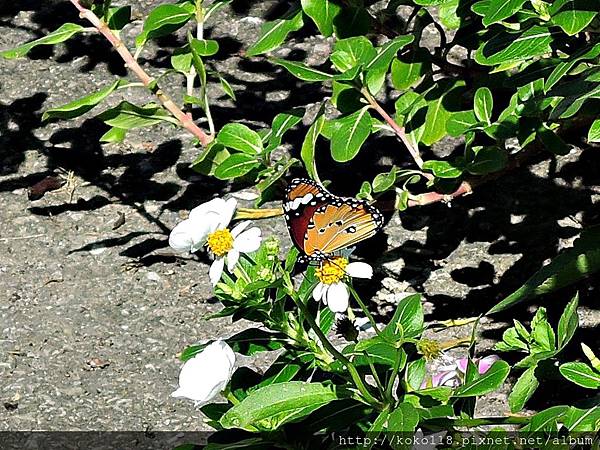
{"points": [[321, 223]]}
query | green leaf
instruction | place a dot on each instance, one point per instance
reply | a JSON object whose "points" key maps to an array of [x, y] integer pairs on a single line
{"points": [[570, 266], [415, 374], [118, 17], [581, 374], [565, 67], [322, 12], [352, 21], [235, 166], [272, 34], [127, 116], [405, 419], [568, 323], [282, 123], [552, 142], [378, 352], [407, 321], [573, 15], [271, 406], [207, 162], [280, 171], [197, 61], [114, 135], [204, 47], [80, 106], [408, 70], [498, 10], [307, 153], [350, 134], [461, 122], [514, 46], [448, 14], [546, 420], [442, 169], [181, 59], [576, 419], [61, 34], [487, 160], [240, 137], [384, 181], [227, 88], [484, 103], [486, 383], [352, 52], [523, 390], [302, 71], [163, 20], [444, 96], [378, 66], [594, 133]]}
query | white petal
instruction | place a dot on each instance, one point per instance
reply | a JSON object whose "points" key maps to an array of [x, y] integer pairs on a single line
{"points": [[216, 205], [216, 270], [318, 291], [337, 297], [206, 374], [248, 241], [188, 236], [239, 228], [226, 214], [232, 258], [359, 270]]}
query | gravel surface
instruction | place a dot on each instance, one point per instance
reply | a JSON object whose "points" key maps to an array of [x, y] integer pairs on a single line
{"points": [[93, 315]]}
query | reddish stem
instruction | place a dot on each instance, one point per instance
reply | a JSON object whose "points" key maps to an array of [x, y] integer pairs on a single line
{"points": [[185, 120]]}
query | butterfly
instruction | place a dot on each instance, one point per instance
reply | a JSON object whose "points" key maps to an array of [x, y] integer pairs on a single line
{"points": [[321, 223]]}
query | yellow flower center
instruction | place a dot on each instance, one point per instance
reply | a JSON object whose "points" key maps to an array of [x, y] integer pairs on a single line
{"points": [[429, 348], [332, 270], [220, 242]]}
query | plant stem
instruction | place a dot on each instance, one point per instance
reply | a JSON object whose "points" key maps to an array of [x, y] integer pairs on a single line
{"points": [[395, 369], [133, 65], [397, 128], [329, 346], [365, 310]]}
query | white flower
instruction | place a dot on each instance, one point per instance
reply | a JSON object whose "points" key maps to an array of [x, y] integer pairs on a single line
{"points": [[208, 225], [332, 275], [206, 374]]}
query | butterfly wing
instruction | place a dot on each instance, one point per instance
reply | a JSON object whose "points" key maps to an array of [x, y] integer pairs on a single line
{"points": [[321, 223], [341, 223], [303, 197]]}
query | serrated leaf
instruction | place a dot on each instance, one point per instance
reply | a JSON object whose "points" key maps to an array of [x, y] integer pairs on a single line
{"points": [[351, 133], [323, 13], [163, 20], [239, 137], [64, 32], [80, 106], [235, 166], [272, 34], [271, 406]]}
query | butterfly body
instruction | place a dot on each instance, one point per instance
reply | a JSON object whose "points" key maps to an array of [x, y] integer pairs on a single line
{"points": [[321, 223]]}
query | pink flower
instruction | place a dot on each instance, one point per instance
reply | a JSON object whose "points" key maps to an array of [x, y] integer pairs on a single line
{"points": [[453, 373]]}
